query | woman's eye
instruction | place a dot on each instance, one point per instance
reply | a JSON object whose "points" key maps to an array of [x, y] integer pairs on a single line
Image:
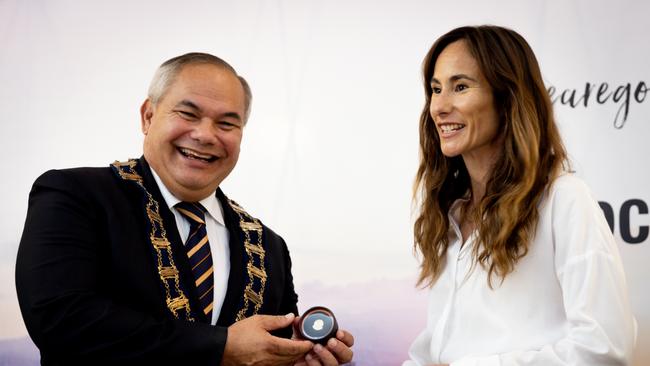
{"points": [[461, 87], [436, 90]]}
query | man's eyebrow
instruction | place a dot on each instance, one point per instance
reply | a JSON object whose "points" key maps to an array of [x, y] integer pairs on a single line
{"points": [[233, 115], [188, 103], [454, 78]]}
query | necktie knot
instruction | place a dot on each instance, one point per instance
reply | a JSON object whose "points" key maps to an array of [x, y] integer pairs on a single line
{"points": [[192, 211]]}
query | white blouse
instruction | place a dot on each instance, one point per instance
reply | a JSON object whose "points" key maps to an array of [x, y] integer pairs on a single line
{"points": [[566, 302]]}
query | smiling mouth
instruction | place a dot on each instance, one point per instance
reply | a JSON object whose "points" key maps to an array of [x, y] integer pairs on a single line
{"points": [[191, 154], [451, 127]]}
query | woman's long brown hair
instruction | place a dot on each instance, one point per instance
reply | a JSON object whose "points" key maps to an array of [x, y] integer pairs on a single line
{"points": [[533, 155]]}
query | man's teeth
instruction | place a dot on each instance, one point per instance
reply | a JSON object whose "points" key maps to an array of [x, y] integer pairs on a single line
{"points": [[194, 154], [451, 127]]}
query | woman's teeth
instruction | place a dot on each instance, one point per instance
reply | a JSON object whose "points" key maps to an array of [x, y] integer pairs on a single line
{"points": [[451, 127]]}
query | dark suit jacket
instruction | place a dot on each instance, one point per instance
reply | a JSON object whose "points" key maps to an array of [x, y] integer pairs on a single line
{"points": [[89, 289]]}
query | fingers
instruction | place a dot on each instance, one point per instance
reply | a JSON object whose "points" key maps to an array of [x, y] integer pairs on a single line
{"points": [[334, 353], [273, 322], [325, 354], [290, 347], [311, 359], [345, 337], [296, 328], [249, 342], [296, 322], [339, 349]]}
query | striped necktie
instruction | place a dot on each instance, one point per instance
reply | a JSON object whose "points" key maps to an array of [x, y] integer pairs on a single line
{"points": [[198, 252]]}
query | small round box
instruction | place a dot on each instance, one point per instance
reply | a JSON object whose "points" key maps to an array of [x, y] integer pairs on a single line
{"points": [[318, 324]]}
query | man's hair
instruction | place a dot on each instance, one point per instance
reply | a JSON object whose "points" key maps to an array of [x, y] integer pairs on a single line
{"points": [[167, 72], [533, 156]]}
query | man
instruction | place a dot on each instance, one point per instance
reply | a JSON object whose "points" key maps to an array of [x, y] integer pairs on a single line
{"points": [[148, 262]]}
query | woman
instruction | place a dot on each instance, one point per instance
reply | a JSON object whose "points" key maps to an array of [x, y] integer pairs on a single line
{"points": [[521, 265]]}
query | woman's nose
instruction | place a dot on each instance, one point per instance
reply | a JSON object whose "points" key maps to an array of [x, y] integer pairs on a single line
{"points": [[440, 104]]}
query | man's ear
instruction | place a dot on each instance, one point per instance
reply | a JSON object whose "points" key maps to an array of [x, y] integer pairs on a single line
{"points": [[146, 112]]}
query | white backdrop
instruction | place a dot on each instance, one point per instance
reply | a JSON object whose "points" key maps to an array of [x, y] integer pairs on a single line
{"points": [[330, 151]]}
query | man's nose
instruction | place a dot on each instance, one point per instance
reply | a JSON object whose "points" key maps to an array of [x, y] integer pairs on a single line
{"points": [[204, 132]]}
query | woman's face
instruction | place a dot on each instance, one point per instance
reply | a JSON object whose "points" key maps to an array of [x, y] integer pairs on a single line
{"points": [[462, 106]]}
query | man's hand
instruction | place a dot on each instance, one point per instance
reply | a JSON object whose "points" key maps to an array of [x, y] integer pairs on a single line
{"points": [[336, 352], [250, 343]]}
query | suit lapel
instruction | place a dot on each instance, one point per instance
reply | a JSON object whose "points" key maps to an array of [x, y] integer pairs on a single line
{"points": [[234, 294]]}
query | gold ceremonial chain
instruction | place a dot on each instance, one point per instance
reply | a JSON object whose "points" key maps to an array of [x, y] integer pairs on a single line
{"points": [[254, 291], [169, 275], [161, 245]]}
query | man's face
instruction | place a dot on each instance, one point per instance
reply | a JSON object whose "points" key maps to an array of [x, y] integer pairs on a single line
{"points": [[193, 133]]}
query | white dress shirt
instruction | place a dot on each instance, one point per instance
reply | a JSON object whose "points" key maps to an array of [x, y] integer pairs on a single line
{"points": [[566, 303], [218, 237]]}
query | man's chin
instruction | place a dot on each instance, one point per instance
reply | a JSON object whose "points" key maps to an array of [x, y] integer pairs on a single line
{"points": [[193, 194], [189, 186]]}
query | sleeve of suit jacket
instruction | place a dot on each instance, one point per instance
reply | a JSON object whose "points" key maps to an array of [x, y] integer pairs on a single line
{"points": [[68, 313]]}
